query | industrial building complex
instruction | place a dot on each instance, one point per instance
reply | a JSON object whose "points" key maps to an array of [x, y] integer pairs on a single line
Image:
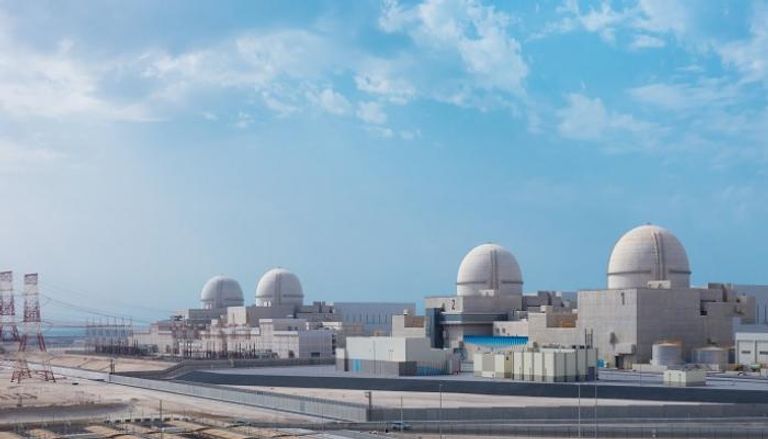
{"points": [[640, 342], [278, 325], [649, 317], [648, 307]]}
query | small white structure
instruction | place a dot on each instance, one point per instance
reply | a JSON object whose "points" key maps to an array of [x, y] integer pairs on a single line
{"points": [[666, 354], [752, 348], [545, 364], [685, 377], [711, 357]]}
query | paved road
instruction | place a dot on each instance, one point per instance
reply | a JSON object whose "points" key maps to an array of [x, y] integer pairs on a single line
{"points": [[736, 428]]}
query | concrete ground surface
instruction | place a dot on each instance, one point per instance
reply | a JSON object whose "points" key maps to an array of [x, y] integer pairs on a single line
{"points": [[101, 363], [46, 401]]}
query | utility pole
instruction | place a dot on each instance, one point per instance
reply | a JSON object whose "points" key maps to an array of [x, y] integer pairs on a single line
{"points": [[440, 416], [579, 386], [595, 407]]}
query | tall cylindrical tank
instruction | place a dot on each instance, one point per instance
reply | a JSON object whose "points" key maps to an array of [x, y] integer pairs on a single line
{"points": [[711, 356], [666, 354]]}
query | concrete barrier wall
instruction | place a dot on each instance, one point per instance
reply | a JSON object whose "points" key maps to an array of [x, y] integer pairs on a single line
{"points": [[187, 366], [322, 408], [682, 411], [75, 372], [550, 390]]}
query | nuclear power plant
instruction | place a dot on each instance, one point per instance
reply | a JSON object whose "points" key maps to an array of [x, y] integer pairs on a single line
{"points": [[647, 307], [278, 324], [649, 347]]}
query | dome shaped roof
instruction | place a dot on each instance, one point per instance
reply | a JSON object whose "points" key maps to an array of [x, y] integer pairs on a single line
{"points": [[279, 286], [648, 253], [489, 267], [221, 292]]}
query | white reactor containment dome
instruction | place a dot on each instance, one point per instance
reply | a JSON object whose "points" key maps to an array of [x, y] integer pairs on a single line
{"points": [[489, 267], [221, 292], [279, 286], [648, 253]]}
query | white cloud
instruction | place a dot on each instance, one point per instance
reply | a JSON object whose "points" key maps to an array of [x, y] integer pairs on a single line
{"points": [[643, 41], [750, 56], [602, 21], [384, 132], [585, 118], [646, 22], [54, 83], [478, 34], [278, 101], [376, 81], [14, 157], [394, 17], [664, 16], [704, 94], [249, 60], [330, 101], [371, 112], [410, 134], [243, 120]]}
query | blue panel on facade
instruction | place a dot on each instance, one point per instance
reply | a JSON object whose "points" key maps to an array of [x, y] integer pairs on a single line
{"points": [[495, 341]]}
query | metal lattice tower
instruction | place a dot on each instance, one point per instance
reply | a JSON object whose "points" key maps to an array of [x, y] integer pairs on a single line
{"points": [[33, 327], [8, 329]]}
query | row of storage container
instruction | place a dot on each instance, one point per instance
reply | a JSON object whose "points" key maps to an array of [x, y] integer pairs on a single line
{"points": [[545, 364]]}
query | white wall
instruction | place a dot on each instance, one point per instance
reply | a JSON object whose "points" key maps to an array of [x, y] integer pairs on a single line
{"points": [[375, 317], [751, 348]]}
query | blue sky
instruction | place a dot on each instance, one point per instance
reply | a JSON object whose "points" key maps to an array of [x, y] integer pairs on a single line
{"points": [[146, 146]]}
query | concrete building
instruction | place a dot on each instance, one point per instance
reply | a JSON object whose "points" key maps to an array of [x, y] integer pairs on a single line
{"points": [[376, 317], [395, 356], [760, 317], [488, 291], [277, 324], [407, 325], [283, 338], [649, 300], [752, 349]]}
